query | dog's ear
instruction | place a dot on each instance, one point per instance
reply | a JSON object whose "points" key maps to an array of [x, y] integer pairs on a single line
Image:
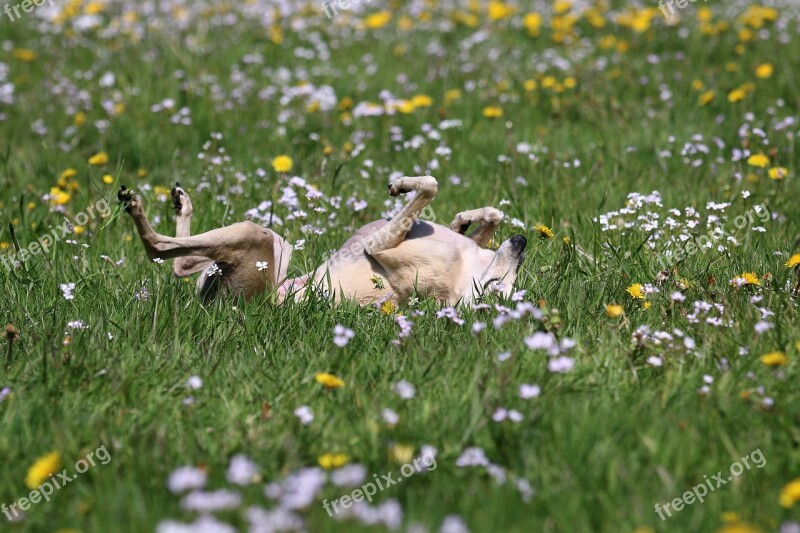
{"points": [[282, 254]]}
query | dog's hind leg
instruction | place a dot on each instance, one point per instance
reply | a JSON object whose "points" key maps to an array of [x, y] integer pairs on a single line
{"points": [[238, 250], [185, 266], [488, 218], [394, 232]]}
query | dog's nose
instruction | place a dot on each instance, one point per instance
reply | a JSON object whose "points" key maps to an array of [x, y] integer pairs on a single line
{"points": [[518, 242]]}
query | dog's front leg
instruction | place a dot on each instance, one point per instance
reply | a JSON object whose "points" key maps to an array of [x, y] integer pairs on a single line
{"points": [[395, 231]]}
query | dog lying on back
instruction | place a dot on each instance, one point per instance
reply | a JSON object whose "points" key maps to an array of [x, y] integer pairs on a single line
{"points": [[409, 256]]}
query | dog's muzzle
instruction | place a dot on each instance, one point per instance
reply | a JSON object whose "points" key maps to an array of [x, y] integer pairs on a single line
{"points": [[518, 243]]}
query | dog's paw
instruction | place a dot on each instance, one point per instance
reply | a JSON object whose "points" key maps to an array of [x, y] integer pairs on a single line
{"points": [[413, 183], [181, 201], [396, 188], [486, 215], [125, 195]]}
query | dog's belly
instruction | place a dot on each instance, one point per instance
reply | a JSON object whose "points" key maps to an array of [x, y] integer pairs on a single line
{"points": [[431, 261]]}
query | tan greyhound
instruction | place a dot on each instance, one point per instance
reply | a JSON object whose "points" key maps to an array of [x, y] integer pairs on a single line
{"points": [[409, 256]]}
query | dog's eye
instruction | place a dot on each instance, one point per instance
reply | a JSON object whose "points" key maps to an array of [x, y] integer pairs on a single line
{"points": [[490, 282]]}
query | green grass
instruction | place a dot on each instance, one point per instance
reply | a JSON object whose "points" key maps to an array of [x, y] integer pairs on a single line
{"points": [[601, 445]]}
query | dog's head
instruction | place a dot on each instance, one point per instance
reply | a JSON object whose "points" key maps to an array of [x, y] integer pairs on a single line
{"points": [[501, 273]]}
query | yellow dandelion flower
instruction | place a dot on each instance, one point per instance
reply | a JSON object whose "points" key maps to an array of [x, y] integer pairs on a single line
{"points": [[737, 95], [614, 311], [42, 469], [790, 494], [59, 197], [499, 10], [329, 380], [492, 112], [282, 163], [636, 291], [79, 230], [607, 41], [764, 71], [750, 278], [704, 14], [530, 85], [98, 159], [378, 20], [80, 118], [739, 527], [108, 179], [67, 174], [467, 19], [345, 103], [544, 231], [758, 160], [332, 460], [401, 453], [451, 96], [387, 308], [533, 23], [313, 107], [774, 359], [778, 173], [561, 7], [405, 106], [422, 100], [24, 54], [793, 261], [94, 8], [706, 97]]}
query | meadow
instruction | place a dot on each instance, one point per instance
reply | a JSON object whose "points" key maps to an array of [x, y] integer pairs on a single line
{"points": [[650, 347]]}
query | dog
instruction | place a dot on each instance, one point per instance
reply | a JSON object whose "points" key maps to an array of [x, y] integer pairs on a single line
{"points": [[386, 260]]}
